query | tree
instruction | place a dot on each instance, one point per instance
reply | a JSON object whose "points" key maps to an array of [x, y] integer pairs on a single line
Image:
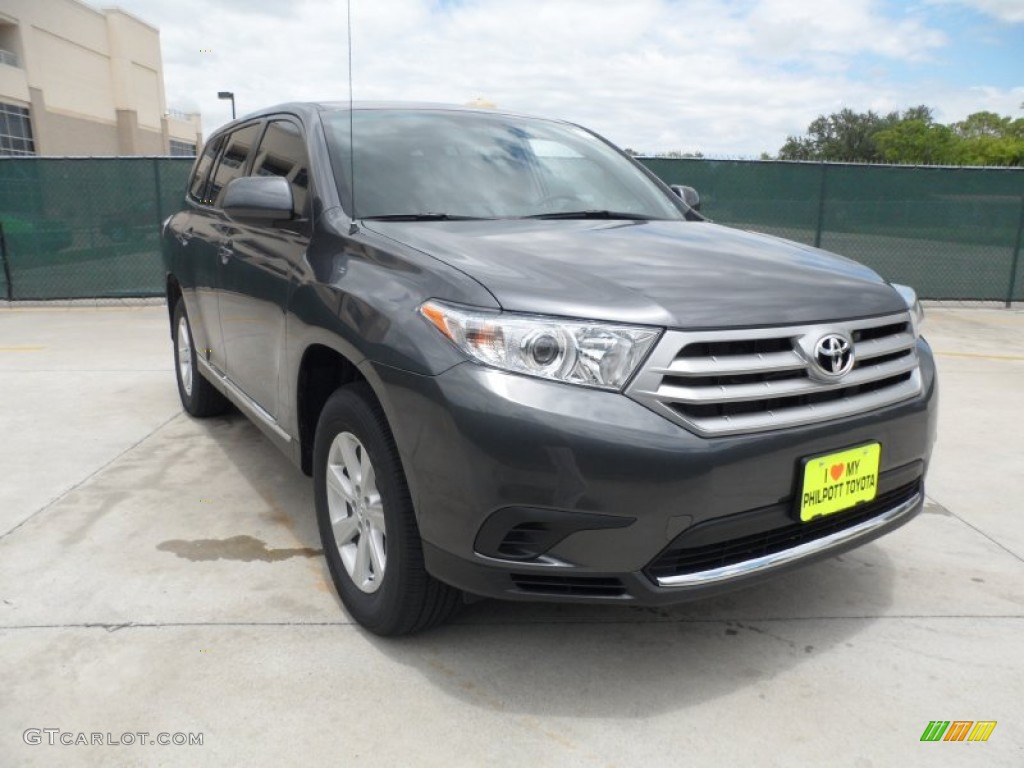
{"points": [[797, 148], [982, 124], [913, 136], [844, 136], [918, 142], [990, 139]]}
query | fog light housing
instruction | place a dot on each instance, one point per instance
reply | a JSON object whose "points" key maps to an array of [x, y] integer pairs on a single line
{"points": [[526, 533]]}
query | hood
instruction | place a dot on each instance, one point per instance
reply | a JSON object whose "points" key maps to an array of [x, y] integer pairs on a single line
{"points": [[670, 273]]}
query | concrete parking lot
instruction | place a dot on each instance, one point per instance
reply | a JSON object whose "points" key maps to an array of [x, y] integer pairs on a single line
{"points": [[163, 575]]}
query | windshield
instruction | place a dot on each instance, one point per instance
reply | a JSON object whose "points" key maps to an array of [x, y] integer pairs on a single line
{"points": [[455, 164]]}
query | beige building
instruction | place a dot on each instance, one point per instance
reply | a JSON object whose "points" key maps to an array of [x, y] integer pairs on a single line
{"points": [[79, 81]]}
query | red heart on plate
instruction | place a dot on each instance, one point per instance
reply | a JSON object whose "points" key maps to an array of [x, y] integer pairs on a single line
{"points": [[837, 471]]}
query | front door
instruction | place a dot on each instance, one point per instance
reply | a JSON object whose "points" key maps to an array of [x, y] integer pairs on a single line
{"points": [[261, 264]]}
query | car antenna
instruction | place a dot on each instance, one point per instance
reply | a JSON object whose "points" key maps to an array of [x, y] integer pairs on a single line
{"points": [[351, 123]]}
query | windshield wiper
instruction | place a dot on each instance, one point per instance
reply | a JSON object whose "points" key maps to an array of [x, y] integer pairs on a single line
{"points": [[591, 214], [422, 217]]}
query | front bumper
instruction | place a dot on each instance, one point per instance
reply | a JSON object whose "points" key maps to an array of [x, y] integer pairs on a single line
{"points": [[480, 445]]}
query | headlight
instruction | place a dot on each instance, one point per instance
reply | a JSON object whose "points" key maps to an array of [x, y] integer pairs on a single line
{"points": [[913, 304], [576, 351]]}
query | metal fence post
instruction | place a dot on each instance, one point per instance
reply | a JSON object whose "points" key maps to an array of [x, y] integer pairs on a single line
{"points": [[156, 185], [821, 207], [7, 268], [1016, 256]]}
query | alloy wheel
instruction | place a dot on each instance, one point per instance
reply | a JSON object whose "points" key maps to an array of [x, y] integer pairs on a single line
{"points": [[185, 355], [356, 512]]}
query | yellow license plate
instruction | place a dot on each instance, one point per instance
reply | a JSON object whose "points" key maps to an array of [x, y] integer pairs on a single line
{"points": [[838, 481]]}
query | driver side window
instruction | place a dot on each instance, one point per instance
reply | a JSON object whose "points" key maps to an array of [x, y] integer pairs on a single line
{"points": [[282, 152], [233, 160], [197, 189]]}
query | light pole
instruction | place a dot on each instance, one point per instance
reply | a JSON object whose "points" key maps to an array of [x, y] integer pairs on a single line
{"points": [[228, 95]]}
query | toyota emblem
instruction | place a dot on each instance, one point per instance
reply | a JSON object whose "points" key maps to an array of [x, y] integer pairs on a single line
{"points": [[833, 354]]}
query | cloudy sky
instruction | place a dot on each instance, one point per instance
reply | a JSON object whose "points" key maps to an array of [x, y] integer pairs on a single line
{"points": [[730, 78]]}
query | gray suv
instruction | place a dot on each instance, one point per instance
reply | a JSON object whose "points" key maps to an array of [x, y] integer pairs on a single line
{"points": [[518, 365]]}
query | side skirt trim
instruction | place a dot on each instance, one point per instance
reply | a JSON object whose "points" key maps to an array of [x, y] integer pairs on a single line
{"points": [[242, 400]]}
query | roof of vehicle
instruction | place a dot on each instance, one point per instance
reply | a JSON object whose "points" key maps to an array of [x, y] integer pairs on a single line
{"points": [[308, 109]]}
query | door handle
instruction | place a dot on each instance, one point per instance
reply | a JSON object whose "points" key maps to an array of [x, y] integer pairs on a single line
{"points": [[226, 251]]}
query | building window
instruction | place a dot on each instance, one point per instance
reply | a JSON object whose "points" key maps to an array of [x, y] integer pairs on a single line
{"points": [[182, 149], [15, 131]]}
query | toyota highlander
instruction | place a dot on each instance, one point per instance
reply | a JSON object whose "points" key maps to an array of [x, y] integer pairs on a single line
{"points": [[518, 365]]}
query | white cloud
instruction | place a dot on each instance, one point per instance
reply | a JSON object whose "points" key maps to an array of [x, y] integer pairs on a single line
{"points": [[1010, 11], [793, 28], [958, 104], [723, 78]]}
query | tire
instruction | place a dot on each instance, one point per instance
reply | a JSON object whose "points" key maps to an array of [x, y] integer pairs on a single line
{"points": [[198, 396], [372, 548]]}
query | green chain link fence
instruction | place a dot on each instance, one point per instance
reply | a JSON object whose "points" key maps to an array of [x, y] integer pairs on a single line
{"points": [[88, 227], [951, 233]]}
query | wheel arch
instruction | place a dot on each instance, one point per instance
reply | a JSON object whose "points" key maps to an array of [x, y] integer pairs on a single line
{"points": [[322, 370], [173, 291]]}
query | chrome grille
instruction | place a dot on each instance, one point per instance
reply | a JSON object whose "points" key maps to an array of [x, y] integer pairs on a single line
{"points": [[736, 381]]}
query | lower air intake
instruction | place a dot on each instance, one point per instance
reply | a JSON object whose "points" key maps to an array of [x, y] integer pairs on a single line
{"points": [[574, 586], [680, 559]]}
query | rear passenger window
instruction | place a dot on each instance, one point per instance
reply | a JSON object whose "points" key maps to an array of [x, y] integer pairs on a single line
{"points": [[283, 153], [197, 186], [232, 162]]}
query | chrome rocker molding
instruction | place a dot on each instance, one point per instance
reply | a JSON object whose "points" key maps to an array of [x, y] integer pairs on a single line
{"points": [[242, 400], [776, 560]]}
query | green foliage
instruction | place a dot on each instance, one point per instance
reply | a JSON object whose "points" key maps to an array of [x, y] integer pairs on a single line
{"points": [[913, 137], [845, 136], [676, 154], [918, 142], [989, 139]]}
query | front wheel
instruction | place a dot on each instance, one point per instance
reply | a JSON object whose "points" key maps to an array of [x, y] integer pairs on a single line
{"points": [[367, 524]]}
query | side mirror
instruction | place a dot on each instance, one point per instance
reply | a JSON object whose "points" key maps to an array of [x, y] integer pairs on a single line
{"points": [[688, 194], [259, 198]]}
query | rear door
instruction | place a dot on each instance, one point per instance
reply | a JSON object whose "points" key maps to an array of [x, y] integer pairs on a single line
{"points": [[212, 230], [194, 261], [262, 268]]}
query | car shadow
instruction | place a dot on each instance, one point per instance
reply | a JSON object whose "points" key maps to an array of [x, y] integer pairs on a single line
{"points": [[612, 661], [286, 493], [600, 660]]}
